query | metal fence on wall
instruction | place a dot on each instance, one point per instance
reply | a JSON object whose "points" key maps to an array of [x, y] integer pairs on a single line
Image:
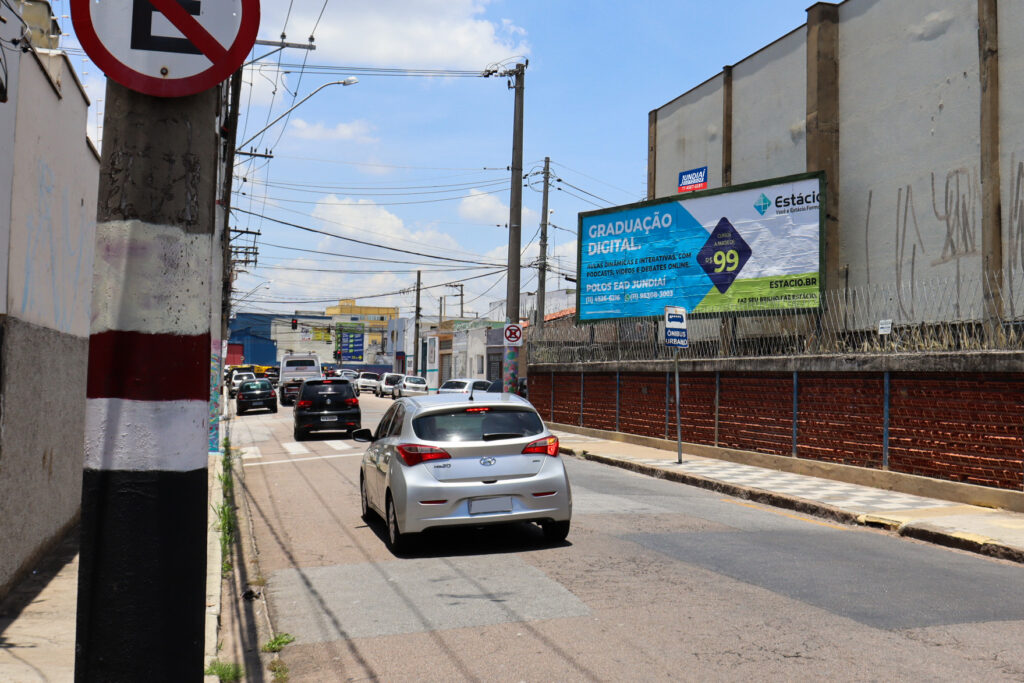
{"points": [[938, 315]]}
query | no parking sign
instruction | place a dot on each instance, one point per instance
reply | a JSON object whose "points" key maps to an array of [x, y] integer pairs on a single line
{"points": [[167, 48]]}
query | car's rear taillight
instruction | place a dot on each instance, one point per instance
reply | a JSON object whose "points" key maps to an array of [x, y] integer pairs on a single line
{"points": [[414, 454], [304, 404], [351, 401], [548, 445]]}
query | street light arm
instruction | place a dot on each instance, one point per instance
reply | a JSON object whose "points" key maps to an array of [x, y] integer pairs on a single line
{"points": [[351, 80]]}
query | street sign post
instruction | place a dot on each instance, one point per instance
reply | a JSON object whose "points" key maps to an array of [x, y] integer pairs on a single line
{"points": [[675, 327], [513, 335], [167, 48], [676, 336]]}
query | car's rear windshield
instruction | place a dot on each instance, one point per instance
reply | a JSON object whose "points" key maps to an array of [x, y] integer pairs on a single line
{"points": [[453, 385], [415, 380], [341, 388], [393, 379], [368, 375], [260, 385], [243, 376], [300, 363], [478, 424]]}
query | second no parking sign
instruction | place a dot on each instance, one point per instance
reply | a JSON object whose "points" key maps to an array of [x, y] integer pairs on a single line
{"points": [[167, 48]]}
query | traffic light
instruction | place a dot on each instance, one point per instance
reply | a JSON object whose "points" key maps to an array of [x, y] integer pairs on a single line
{"points": [[337, 354], [295, 323]]}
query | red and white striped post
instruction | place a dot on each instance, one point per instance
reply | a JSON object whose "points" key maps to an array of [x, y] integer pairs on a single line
{"points": [[142, 574]]}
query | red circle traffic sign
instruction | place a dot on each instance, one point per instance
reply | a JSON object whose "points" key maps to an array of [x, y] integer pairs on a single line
{"points": [[137, 52], [513, 333]]}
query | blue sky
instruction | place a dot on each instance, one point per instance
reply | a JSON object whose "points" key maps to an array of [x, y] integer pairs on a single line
{"points": [[363, 161]]}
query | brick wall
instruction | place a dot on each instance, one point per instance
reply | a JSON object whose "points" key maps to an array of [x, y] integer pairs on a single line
{"points": [[567, 398], [696, 408], [755, 413], [643, 400], [599, 401], [840, 418], [958, 427]]}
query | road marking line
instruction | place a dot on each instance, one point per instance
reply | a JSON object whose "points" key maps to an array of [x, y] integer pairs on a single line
{"points": [[315, 457], [249, 452], [295, 448], [767, 509], [339, 445]]}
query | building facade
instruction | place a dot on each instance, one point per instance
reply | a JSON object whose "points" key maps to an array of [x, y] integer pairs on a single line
{"points": [[49, 174]]}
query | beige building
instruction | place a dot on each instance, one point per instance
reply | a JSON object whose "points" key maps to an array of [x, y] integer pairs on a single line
{"points": [[374, 319]]}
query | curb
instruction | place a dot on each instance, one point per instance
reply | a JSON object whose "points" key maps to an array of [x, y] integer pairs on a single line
{"points": [[959, 541], [213, 567]]}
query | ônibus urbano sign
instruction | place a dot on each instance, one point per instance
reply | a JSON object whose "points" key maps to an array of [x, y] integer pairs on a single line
{"points": [[167, 48]]}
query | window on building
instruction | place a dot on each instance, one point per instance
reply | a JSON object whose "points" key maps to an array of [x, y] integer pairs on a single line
{"points": [[479, 364]]}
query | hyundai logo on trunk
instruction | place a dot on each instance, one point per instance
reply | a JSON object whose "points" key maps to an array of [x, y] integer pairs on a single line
{"points": [[487, 462]]}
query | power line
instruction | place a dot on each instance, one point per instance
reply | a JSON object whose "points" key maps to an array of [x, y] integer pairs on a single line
{"points": [[375, 204], [364, 242]]}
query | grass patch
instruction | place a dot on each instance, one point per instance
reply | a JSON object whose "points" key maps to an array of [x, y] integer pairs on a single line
{"points": [[279, 669], [226, 512], [277, 643], [226, 672]]}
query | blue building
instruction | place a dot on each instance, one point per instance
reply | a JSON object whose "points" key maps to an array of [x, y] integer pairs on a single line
{"points": [[253, 332]]}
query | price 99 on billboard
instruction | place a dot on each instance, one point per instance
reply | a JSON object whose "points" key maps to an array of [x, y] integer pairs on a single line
{"points": [[749, 248]]}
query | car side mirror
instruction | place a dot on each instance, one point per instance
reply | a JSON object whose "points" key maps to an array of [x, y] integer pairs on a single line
{"points": [[364, 435]]}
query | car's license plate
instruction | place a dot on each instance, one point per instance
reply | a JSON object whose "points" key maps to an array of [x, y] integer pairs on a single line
{"points": [[483, 505], [328, 418]]}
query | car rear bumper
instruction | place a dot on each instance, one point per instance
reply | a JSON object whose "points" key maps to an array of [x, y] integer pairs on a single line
{"points": [[414, 515], [312, 422]]}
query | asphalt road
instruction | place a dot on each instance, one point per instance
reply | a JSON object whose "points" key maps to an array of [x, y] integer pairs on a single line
{"points": [[656, 581]]}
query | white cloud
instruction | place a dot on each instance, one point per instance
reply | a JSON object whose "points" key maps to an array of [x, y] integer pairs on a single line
{"points": [[356, 131], [363, 219], [414, 33], [480, 207]]}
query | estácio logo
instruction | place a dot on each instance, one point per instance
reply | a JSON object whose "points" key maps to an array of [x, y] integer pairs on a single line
{"points": [[762, 204]]}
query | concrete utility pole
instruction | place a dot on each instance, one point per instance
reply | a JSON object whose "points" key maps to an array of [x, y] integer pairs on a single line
{"points": [[462, 299], [142, 575], [542, 265], [416, 331], [515, 218]]}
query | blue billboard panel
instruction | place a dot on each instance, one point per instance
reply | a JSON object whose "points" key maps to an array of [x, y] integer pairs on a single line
{"points": [[752, 248]]}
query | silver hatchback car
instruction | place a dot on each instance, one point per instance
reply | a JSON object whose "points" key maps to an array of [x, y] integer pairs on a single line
{"points": [[448, 460]]}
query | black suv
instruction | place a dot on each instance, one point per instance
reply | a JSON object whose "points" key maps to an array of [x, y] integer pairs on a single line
{"points": [[326, 404]]}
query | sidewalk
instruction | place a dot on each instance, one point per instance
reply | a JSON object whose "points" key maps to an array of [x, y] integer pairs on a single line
{"points": [[37, 621], [985, 530]]}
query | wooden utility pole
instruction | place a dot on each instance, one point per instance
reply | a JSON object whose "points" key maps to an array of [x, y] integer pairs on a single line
{"points": [[542, 264], [511, 371]]}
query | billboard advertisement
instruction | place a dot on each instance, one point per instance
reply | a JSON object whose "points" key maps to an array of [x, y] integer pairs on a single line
{"points": [[350, 341], [749, 248]]}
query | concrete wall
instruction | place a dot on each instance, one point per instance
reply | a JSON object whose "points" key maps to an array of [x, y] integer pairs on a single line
{"points": [[45, 332], [8, 116], [689, 135], [769, 107], [908, 188], [909, 103]]}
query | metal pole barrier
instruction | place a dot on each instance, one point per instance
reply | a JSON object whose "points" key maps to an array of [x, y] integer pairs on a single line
{"points": [[796, 409], [885, 423], [617, 399], [718, 394]]}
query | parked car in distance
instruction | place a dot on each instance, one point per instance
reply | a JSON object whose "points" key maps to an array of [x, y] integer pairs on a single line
{"points": [[257, 393], [411, 386], [462, 385], [326, 404], [349, 374], [295, 369], [368, 381], [442, 461], [387, 383], [236, 380]]}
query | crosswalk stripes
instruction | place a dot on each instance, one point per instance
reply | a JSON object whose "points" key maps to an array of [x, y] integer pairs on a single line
{"points": [[340, 445], [294, 448], [249, 452]]}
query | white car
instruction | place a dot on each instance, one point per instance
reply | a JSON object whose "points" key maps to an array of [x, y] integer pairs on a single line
{"points": [[446, 460], [463, 385], [367, 381], [237, 379], [387, 384], [411, 386]]}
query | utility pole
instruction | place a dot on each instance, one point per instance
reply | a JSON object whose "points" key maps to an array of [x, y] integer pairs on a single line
{"points": [[142, 573], [515, 217], [462, 308], [542, 266], [416, 331]]}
